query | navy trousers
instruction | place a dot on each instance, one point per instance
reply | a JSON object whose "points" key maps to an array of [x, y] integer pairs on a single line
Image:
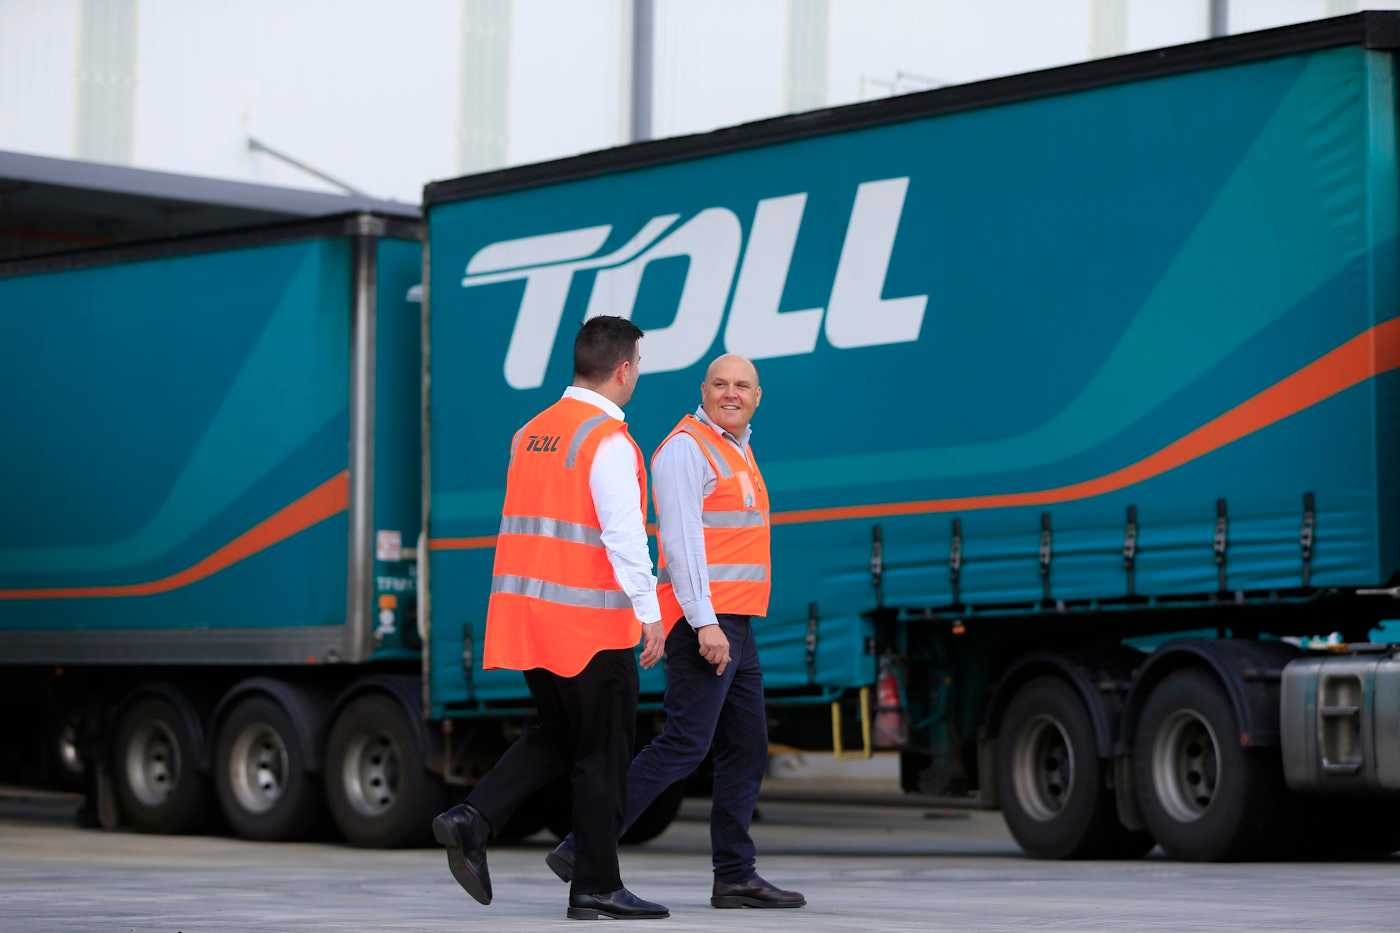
{"points": [[703, 709]]}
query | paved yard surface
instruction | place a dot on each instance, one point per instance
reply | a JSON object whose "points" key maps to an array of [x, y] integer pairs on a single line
{"points": [[863, 868]]}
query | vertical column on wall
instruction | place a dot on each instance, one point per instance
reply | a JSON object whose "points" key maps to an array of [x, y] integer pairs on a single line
{"points": [[808, 35], [483, 126], [643, 82], [1219, 17], [1108, 28], [106, 85]]}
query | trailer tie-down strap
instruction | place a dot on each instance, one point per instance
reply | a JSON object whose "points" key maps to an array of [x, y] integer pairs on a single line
{"points": [[1045, 554], [1306, 535], [1222, 531], [1130, 537], [955, 548]]}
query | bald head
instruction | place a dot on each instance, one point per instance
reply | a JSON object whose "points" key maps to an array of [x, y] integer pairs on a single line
{"points": [[732, 363], [730, 393]]}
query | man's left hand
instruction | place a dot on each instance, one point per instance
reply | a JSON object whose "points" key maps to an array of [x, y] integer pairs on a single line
{"points": [[653, 644]]}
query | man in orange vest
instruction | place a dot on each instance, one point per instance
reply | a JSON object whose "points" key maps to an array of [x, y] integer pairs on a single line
{"points": [[571, 594], [715, 576]]}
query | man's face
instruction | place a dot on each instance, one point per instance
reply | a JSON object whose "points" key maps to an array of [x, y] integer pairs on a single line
{"points": [[730, 393], [630, 373]]}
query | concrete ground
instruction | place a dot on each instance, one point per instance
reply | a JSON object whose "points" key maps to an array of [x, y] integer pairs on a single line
{"points": [[863, 868]]}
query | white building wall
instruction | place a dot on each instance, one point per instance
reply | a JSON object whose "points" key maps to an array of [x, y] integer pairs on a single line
{"points": [[378, 94], [38, 77]]}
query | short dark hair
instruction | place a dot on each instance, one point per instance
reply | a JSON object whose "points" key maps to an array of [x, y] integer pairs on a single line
{"points": [[601, 344]]}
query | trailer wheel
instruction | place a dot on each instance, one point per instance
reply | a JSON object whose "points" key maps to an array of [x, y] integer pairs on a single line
{"points": [[1204, 797], [155, 769], [260, 773], [380, 791], [1050, 779]]}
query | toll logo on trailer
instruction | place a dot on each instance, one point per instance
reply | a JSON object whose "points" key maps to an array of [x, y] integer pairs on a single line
{"points": [[855, 314]]}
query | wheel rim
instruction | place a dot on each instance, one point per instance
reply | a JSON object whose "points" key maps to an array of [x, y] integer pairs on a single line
{"points": [[1186, 765], [371, 773], [1043, 768], [152, 763], [69, 758], [257, 768]]}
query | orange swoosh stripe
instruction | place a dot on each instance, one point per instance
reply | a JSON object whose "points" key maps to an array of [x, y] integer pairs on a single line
{"points": [[1363, 357], [330, 498]]}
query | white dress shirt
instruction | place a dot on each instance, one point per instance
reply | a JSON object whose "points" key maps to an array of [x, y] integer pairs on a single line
{"points": [[617, 497], [682, 479]]}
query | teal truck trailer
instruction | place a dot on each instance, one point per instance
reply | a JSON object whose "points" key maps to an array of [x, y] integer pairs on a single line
{"points": [[1079, 425], [210, 503]]}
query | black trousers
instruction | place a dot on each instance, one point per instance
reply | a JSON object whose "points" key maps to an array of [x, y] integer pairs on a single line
{"points": [[703, 711], [586, 728]]}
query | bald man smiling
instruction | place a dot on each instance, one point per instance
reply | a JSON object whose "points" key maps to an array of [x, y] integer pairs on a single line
{"points": [[714, 579]]}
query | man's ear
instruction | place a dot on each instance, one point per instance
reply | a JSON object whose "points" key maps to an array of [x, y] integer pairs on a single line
{"points": [[757, 397]]}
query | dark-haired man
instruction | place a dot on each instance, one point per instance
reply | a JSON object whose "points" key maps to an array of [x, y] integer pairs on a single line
{"points": [[571, 593]]}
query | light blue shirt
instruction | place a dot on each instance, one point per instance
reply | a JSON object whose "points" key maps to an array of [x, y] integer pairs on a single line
{"points": [[681, 479]]}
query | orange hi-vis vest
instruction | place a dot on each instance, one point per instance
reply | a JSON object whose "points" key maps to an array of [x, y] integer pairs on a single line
{"points": [[555, 601], [736, 528]]}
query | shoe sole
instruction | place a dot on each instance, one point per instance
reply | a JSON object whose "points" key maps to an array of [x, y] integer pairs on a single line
{"points": [[457, 863], [729, 902], [563, 870], [591, 913]]}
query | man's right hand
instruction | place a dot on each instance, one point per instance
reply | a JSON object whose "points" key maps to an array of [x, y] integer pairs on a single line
{"points": [[714, 646]]}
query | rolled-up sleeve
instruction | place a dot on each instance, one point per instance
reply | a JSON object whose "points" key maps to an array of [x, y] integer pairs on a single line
{"points": [[617, 497], [681, 479]]}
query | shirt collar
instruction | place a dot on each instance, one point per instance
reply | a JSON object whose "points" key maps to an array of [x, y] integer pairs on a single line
{"points": [[705, 420], [589, 397]]}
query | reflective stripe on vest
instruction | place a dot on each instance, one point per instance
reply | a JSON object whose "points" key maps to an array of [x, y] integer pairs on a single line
{"points": [[741, 519], [555, 600], [551, 528], [724, 573], [559, 593]]}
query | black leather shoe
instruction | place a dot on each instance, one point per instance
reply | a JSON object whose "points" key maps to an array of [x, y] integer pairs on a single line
{"points": [[621, 904], [753, 893], [561, 861], [463, 832]]}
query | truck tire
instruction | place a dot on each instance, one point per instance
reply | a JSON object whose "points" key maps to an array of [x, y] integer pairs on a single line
{"points": [[380, 791], [63, 762], [1050, 779], [260, 773], [655, 819], [1203, 796], [155, 769]]}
